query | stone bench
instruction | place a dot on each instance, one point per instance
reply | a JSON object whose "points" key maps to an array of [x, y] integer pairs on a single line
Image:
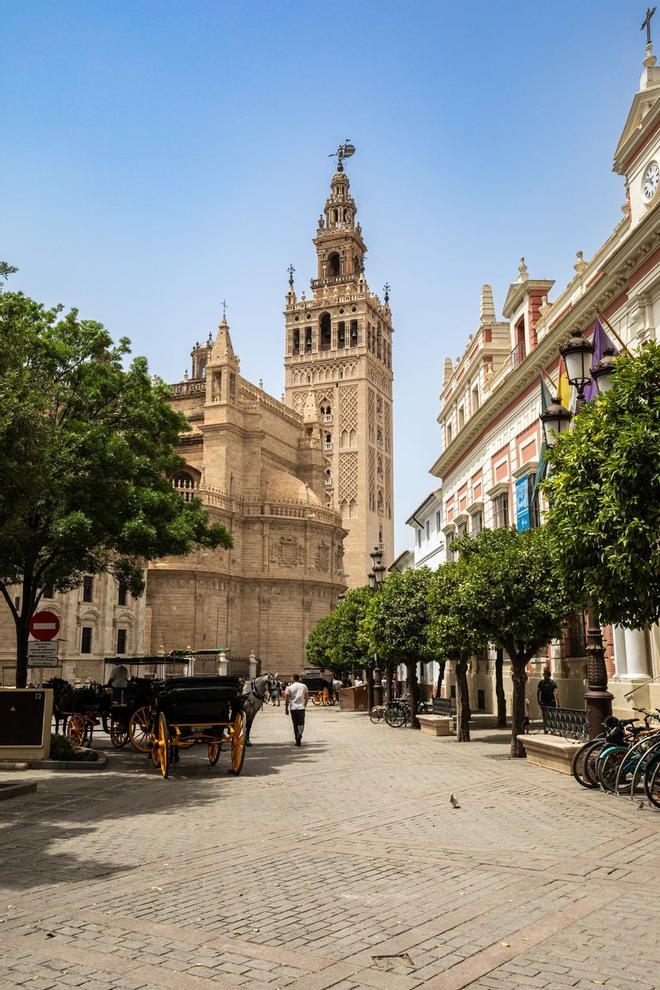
{"points": [[435, 725], [550, 752]]}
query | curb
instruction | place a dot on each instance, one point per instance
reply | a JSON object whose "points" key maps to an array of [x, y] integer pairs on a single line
{"points": [[84, 766], [8, 791]]}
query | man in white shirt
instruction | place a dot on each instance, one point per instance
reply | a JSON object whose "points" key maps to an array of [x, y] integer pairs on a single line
{"points": [[296, 697]]}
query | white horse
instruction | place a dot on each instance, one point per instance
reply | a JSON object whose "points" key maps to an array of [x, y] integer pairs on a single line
{"points": [[254, 695]]}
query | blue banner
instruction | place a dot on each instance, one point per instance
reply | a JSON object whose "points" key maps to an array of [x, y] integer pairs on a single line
{"points": [[522, 504]]}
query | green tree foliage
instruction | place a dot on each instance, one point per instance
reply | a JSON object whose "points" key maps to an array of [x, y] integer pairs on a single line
{"points": [[397, 624], [338, 640], [514, 596], [450, 636], [86, 454], [603, 492]]}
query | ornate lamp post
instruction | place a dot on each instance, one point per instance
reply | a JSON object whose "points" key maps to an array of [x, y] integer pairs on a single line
{"points": [[376, 576], [557, 420]]}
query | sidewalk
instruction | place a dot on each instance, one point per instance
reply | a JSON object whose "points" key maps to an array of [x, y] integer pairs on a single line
{"points": [[124, 880]]}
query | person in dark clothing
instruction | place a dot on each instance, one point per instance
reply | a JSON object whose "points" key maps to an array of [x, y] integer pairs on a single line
{"points": [[546, 692]]}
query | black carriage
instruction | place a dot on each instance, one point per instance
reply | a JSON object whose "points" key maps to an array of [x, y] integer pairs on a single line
{"points": [[189, 710], [79, 709], [129, 718]]}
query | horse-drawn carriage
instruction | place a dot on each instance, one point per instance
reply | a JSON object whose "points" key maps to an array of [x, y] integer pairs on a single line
{"points": [[320, 690], [189, 710]]}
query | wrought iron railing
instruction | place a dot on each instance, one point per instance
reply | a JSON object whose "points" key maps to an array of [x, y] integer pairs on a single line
{"points": [[571, 723]]}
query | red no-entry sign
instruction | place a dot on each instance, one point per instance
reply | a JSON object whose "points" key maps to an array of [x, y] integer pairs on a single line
{"points": [[44, 625]]}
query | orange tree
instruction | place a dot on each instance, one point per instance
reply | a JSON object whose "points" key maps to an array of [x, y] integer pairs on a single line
{"points": [[396, 623]]}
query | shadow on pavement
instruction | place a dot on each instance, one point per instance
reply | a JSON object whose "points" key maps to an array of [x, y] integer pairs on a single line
{"points": [[36, 837]]}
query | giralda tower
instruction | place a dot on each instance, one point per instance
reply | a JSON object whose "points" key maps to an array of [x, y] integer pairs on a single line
{"points": [[339, 355]]}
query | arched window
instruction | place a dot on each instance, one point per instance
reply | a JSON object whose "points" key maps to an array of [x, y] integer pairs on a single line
{"points": [[334, 264], [325, 332], [352, 438], [328, 441], [326, 412], [184, 483]]}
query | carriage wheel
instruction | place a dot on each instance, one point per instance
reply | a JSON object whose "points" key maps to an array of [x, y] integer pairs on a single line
{"points": [[214, 752], [76, 730], [238, 743], [326, 697], [118, 734], [163, 743], [316, 698], [139, 731]]}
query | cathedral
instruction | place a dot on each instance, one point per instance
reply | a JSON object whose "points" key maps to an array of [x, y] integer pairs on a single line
{"points": [[304, 485]]}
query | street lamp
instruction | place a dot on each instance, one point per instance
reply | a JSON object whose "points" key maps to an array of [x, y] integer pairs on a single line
{"points": [[603, 373], [577, 356], [557, 420], [376, 576]]}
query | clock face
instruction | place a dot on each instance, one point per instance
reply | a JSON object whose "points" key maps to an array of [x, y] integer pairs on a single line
{"points": [[651, 180]]}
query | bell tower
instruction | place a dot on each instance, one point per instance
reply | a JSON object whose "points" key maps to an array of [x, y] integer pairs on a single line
{"points": [[338, 355]]}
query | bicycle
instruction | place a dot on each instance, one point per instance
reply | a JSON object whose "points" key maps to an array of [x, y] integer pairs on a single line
{"points": [[637, 760], [377, 714], [397, 713], [613, 757], [583, 764]]}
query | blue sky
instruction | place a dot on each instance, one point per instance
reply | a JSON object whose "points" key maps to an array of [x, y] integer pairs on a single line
{"points": [[158, 157]]}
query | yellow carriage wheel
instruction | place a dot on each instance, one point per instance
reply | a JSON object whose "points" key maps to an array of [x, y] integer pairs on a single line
{"points": [[139, 730], [238, 743], [316, 698], [76, 730], [326, 697], [163, 745], [214, 752]]}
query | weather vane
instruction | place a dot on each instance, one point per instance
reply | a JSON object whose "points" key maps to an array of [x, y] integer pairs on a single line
{"points": [[291, 270], [386, 290], [224, 309], [345, 150], [647, 24]]}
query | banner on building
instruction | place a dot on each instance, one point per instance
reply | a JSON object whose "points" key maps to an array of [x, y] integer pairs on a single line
{"points": [[522, 503]]}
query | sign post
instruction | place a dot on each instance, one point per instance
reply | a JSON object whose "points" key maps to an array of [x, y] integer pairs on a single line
{"points": [[44, 626]]}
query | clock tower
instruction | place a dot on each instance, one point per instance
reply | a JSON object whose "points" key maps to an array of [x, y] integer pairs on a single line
{"points": [[338, 356]]}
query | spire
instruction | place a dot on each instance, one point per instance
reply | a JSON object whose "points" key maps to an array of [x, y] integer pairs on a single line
{"points": [[223, 349], [487, 307], [339, 244]]}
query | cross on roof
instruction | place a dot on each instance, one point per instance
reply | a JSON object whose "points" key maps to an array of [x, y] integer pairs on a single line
{"points": [[224, 308], [647, 24]]}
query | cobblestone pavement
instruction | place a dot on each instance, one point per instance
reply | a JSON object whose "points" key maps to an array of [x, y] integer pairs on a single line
{"points": [[339, 865]]}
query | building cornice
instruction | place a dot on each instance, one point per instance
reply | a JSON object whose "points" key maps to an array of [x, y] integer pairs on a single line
{"points": [[614, 276]]}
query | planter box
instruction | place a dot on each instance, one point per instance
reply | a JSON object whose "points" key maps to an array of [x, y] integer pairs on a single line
{"points": [[550, 752], [435, 725]]}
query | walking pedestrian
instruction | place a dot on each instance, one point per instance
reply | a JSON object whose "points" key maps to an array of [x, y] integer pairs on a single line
{"points": [[296, 697], [275, 693]]}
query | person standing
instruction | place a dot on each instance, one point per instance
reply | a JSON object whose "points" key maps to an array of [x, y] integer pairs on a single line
{"points": [[118, 681], [296, 697], [546, 692]]}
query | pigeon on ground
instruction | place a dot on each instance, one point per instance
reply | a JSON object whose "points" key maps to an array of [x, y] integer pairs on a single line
{"points": [[454, 803]]}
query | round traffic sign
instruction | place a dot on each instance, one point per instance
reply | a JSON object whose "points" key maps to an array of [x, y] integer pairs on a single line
{"points": [[44, 625]]}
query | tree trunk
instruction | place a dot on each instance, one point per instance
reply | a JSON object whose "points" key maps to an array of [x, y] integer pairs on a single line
{"points": [[499, 689], [519, 678], [462, 702], [441, 677], [412, 693], [370, 688], [389, 674]]}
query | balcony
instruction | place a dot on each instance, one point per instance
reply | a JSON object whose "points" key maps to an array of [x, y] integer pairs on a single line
{"points": [[518, 354]]}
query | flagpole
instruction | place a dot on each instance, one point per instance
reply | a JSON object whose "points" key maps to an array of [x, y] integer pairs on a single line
{"points": [[610, 327]]}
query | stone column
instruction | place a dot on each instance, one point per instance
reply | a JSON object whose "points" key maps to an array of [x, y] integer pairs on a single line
{"points": [[620, 660], [638, 667], [253, 664]]}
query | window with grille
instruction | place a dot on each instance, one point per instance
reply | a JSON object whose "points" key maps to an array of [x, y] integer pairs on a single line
{"points": [[477, 522], [501, 511]]}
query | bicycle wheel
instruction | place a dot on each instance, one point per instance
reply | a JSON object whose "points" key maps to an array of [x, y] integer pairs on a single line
{"points": [[647, 760], [377, 715], [608, 767], [395, 716], [632, 769], [652, 781], [578, 764], [590, 762]]}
